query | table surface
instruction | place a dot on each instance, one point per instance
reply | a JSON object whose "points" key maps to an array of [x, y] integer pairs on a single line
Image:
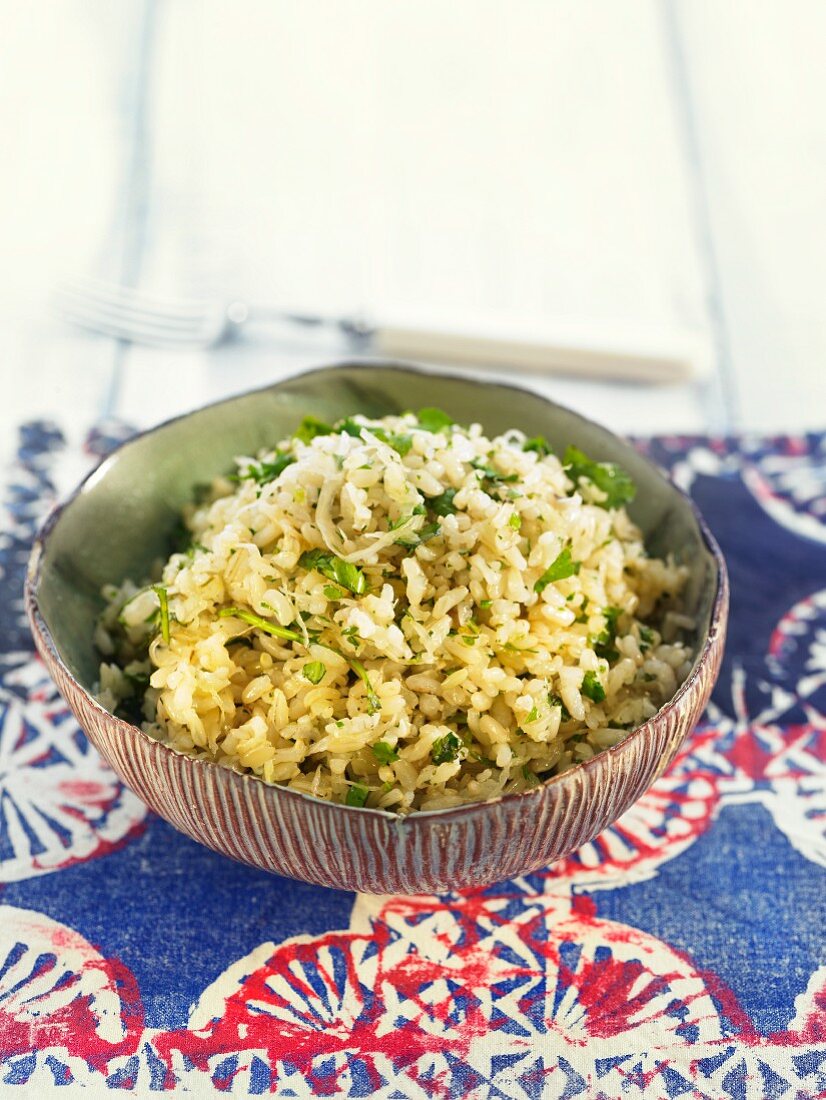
{"points": [[656, 164]]}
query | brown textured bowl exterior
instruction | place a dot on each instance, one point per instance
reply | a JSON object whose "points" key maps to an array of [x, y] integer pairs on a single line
{"points": [[293, 834], [286, 832]]}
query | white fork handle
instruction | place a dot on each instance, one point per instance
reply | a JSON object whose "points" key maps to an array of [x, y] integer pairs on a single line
{"points": [[675, 358]]}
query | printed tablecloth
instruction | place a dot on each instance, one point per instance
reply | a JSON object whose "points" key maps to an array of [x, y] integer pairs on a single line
{"points": [[681, 954]]}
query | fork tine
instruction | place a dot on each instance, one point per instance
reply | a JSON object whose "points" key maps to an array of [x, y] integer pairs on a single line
{"points": [[125, 310], [124, 326], [127, 319], [142, 301], [128, 334]]}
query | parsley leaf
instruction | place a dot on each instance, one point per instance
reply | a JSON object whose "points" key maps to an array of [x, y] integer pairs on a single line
{"points": [[442, 505], [384, 753], [488, 473], [336, 569], [163, 600], [263, 472], [603, 643], [356, 796], [416, 538], [314, 671], [401, 444], [555, 701], [561, 567], [434, 420], [592, 688], [350, 427], [333, 593], [609, 478], [646, 638], [310, 427], [445, 749], [515, 521], [539, 444]]}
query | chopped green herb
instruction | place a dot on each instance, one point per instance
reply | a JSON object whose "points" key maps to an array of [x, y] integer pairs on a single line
{"points": [[488, 473], [592, 688], [373, 701], [555, 701], [539, 444], [484, 760], [442, 505], [533, 716], [314, 671], [611, 616], [562, 566], [384, 753], [351, 636], [336, 569], [310, 427], [609, 478], [445, 749], [163, 600], [434, 420], [417, 538], [260, 624], [350, 427], [401, 444], [646, 638], [263, 472], [356, 796], [333, 593], [515, 521], [485, 603], [603, 643], [429, 531]]}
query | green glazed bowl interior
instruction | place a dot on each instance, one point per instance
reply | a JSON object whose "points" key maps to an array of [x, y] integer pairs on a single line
{"points": [[123, 517]]}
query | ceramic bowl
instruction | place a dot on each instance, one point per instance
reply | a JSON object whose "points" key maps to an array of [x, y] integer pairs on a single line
{"points": [[120, 520]]}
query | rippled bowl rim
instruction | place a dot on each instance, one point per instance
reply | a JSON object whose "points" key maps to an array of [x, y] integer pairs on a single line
{"points": [[717, 619]]}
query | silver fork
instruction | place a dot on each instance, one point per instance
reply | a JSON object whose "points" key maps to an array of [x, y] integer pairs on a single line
{"points": [[143, 318], [159, 321]]}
